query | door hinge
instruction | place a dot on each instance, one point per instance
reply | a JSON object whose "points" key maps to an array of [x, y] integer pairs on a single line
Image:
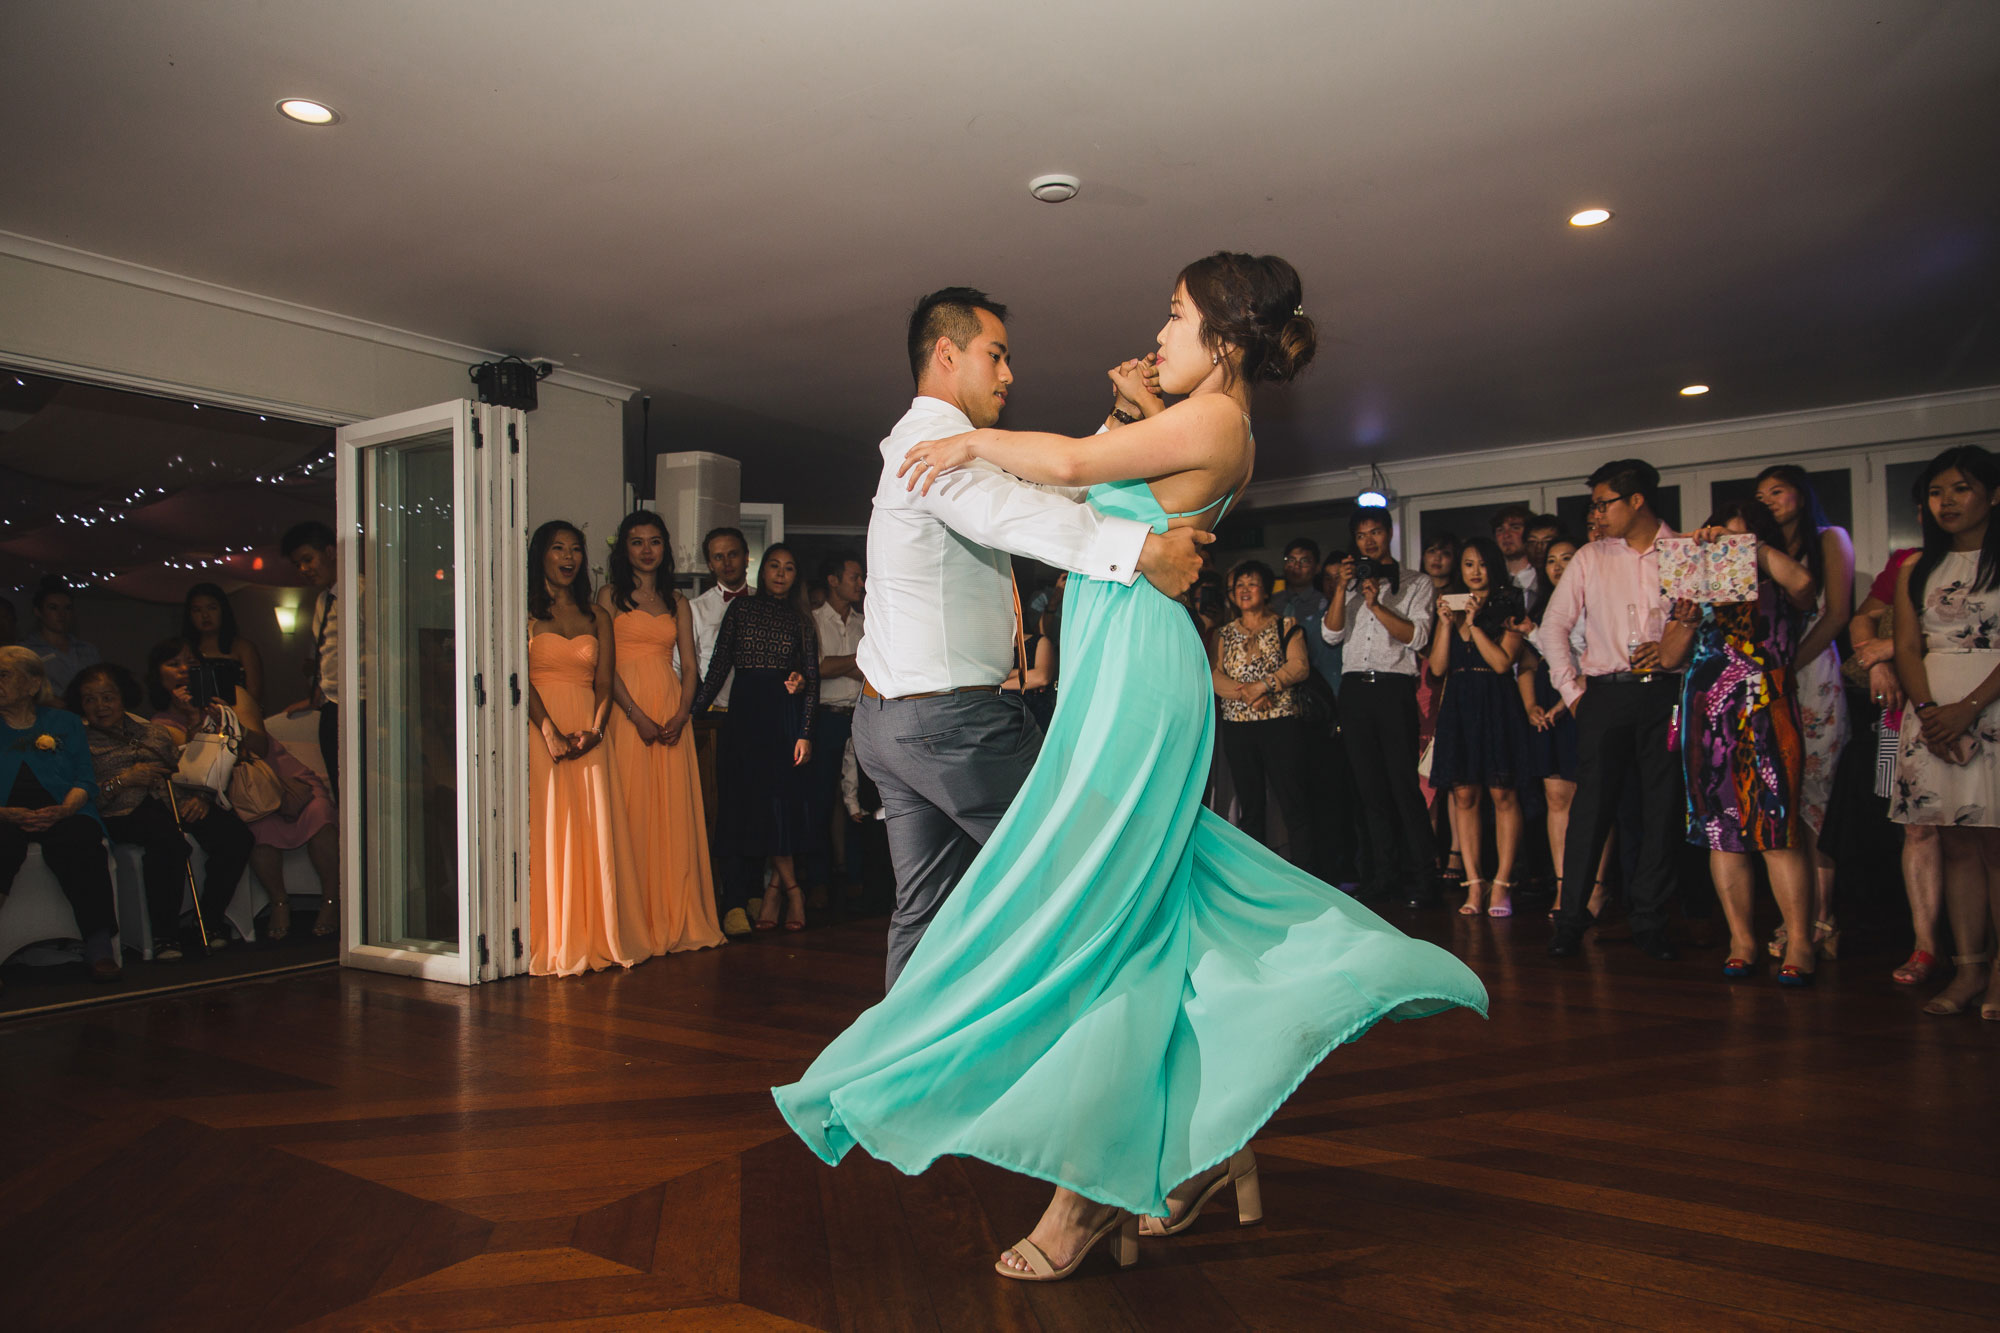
{"points": [[517, 942], [514, 684], [479, 687], [478, 435], [482, 951], [513, 439]]}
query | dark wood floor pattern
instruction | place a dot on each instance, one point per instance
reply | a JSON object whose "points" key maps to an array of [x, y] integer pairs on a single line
{"points": [[1625, 1144]]}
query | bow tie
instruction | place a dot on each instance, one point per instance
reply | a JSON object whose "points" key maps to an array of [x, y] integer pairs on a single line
{"points": [[728, 596]]}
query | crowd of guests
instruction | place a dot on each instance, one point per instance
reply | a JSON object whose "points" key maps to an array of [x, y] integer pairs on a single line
{"points": [[1531, 707], [1526, 708], [173, 758]]}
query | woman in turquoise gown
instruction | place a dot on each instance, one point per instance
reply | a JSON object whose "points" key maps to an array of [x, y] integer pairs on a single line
{"points": [[1123, 988]]}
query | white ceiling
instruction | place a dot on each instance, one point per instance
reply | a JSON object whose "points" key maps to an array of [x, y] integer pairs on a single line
{"points": [[735, 205]]}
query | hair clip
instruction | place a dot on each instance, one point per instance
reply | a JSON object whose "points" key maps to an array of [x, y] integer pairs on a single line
{"points": [[1298, 310]]}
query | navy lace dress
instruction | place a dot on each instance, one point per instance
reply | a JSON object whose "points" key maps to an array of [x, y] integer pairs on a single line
{"points": [[761, 794], [1482, 732]]}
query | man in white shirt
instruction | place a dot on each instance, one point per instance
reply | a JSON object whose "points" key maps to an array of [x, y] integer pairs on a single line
{"points": [[1510, 534], [947, 749], [727, 554], [838, 620], [1380, 618]]}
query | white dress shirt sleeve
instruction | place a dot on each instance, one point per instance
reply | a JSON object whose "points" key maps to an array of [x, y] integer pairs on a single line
{"points": [[985, 505], [1420, 609], [1336, 637]]}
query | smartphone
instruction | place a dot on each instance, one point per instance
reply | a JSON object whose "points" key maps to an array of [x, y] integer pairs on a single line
{"points": [[1457, 601]]}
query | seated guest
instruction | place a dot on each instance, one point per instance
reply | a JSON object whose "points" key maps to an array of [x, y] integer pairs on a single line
{"points": [[1742, 746], [208, 622], [1257, 663], [1482, 739], [135, 761], [50, 795], [54, 639], [305, 818]]}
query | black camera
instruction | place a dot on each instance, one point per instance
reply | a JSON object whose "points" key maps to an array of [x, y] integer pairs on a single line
{"points": [[1382, 571], [1503, 606]]}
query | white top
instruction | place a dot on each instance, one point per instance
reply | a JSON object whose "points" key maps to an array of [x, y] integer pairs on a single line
{"points": [[706, 612], [326, 639], [838, 638], [1365, 642], [940, 598]]}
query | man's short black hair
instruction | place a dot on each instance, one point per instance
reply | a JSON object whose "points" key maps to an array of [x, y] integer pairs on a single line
{"points": [[1549, 521], [713, 533], [311, 533], [1370, 514], [1303, 544], [51, 586], [835, 564], [948, 312], [1630, 476]]}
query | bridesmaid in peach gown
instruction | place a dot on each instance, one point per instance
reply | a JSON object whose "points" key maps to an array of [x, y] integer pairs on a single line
{"points": [[580, 877], [652, 753]]}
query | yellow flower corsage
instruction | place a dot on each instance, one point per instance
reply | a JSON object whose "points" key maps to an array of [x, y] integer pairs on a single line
{"points": [[45, 742]]}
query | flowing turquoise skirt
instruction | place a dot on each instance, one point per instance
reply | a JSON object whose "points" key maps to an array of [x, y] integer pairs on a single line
{"points": [[1123, 988]]}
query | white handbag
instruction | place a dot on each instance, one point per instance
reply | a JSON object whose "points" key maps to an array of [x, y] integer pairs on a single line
{"points": [[209, 758]]}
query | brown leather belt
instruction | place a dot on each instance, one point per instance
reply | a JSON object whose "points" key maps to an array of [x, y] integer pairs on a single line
{"points": [[869, 691]]}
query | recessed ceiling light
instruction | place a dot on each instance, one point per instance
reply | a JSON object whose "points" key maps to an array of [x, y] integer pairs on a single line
{"points": [[1694, 391], [307, 112], [1590, 217], [1054, 189]]}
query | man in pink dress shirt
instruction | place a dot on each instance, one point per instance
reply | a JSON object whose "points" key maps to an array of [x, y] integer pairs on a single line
{"points": [[1623, 702]]}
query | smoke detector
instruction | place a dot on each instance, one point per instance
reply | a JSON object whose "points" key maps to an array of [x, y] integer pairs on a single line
{"points": [[1054, 189]]}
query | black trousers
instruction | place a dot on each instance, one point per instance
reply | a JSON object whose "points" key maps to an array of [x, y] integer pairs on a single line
{"points": [[1621, 735], [225, 838], [74, 851], [329, 749], [1378, 720], [1273, 751], [831, 728]]}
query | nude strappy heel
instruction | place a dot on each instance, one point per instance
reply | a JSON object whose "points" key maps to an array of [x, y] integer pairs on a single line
{"points": [[1124, 1248], [1474, 888], [1941, 1006], [1242, 1173]]}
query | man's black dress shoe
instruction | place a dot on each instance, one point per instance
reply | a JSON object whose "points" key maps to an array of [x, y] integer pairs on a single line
{"points": [[1422, 899], [1654, 944], [1566, 942]]}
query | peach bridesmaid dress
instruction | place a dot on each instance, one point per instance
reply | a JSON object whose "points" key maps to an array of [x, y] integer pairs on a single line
{"points": [[580, 874], [659, 796]]}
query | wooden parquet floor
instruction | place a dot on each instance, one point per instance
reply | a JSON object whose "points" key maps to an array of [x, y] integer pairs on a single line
{"points": [[1625, 1144]]}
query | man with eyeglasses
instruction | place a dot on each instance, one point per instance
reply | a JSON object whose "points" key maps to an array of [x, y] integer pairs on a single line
{"points": [[1622, 700]]}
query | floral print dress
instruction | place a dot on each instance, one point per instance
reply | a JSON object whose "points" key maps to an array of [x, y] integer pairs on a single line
{"points": [[1739, 724], [1961, 628], [1823, 717]]}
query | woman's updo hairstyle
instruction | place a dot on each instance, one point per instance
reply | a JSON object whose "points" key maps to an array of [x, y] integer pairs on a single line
{"points": [[1253, 303]]}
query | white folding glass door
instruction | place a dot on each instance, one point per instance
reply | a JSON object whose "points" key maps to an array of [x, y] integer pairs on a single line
{"points": [[434, 678]]}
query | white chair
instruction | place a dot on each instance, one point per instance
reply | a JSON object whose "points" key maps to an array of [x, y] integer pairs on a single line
{"points": [[35, 910]]}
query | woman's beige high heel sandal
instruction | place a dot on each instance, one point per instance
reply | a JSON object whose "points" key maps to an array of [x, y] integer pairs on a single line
{"points": [[1124, 1248], [1242, 1173], [1944, 1007]]}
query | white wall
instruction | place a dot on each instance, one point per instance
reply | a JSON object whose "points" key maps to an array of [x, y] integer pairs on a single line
{"points": [[68, 313]]}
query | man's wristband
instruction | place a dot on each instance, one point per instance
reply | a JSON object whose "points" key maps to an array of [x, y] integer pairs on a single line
{"points": [[1121, 415], [1926, 705]]}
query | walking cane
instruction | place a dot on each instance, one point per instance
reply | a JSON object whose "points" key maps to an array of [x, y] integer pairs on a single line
{"points": [[174, 804]]}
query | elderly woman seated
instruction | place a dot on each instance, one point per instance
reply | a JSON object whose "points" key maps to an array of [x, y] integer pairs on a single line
{"points": [[305, 817], [50, 795], [135, 761]]}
